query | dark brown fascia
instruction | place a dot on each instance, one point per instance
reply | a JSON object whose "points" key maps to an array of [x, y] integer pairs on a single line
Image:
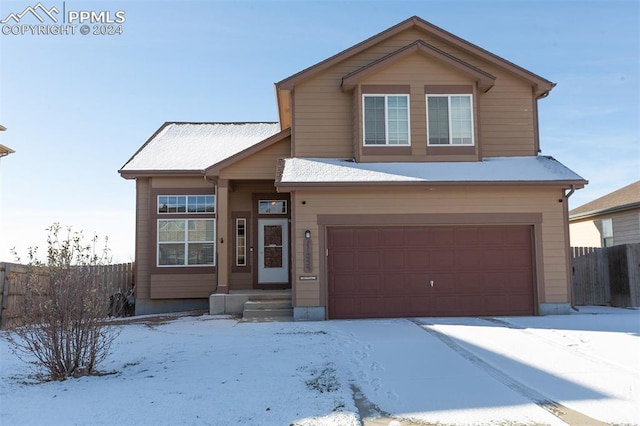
{"points": [[484, 80], [542, 86], [133, 174], [288, 187], [601, 212], [214, 169]]}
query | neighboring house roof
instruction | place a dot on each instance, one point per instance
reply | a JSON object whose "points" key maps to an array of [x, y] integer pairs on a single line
{"points": [[624, 198], [5, 150], [498, 170], [193, 147]]}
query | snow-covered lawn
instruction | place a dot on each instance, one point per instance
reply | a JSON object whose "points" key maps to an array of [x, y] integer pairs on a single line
{"points": [[212, 370]]}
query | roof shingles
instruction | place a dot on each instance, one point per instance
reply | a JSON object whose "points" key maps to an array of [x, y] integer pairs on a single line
{"points": [[616, 200], [196, 146]]}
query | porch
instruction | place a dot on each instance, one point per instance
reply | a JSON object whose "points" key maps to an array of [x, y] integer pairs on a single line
{"points": [[253, 304]]}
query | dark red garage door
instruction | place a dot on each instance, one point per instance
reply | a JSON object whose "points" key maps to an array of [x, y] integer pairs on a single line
{"points": [[378, 272]]}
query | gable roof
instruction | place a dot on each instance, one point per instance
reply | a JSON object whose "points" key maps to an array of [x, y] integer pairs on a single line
{"points": [[624, 198], [271, 140], [325, 172], [179, 147], [484, 79], [542, 85]]}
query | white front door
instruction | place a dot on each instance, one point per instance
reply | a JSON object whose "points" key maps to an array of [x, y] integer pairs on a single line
{"points": [[273, 251]]}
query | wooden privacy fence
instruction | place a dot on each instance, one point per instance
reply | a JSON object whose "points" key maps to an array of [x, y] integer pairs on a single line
{"points": [[606, 276], [13, 283]]}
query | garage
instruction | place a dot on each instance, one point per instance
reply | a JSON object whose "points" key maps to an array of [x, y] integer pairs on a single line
{"points": [[412, 271]]}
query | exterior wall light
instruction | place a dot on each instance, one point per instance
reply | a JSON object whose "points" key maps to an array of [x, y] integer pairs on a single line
{"points": [[307, 234]]}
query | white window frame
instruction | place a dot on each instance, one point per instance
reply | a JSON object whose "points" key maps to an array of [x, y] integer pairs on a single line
{"points": [[243, 245], [607, 239], [275, 203], [449, 96], [186, 204], [386, 119], [185, 241]]}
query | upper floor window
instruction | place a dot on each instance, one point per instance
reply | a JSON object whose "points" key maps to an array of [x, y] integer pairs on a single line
{"points": [[607, 232], [386, 119], [172, 204], [449, 120]]}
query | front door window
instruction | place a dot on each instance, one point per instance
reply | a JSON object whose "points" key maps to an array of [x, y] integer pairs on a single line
{"points": [[273, 246], [273, 253]]}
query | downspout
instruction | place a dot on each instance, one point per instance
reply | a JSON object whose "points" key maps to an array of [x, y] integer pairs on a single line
{"points": [[569, 257], [213, 182]]}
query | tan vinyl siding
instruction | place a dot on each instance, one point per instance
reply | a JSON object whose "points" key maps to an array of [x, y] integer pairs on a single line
{"points": [[241, 281], [180, 182], [626, 227], [182, 286], [323, 114], [588, 232], [328, 131], [261, 165], [142, 238], [507, 120], [553, 283]]}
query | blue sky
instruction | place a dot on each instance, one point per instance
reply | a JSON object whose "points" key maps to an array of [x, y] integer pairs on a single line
{"points": [[78, 106]]}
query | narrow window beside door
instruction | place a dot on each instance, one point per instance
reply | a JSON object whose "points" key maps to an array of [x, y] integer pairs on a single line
{"points": [[241, 242]]}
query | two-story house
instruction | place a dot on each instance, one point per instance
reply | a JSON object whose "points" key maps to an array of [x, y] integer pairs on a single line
{"points": [[403, 179]]}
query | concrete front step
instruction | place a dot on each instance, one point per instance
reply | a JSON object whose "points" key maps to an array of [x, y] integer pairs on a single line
{"points": [[267, 304], [268, 310]]}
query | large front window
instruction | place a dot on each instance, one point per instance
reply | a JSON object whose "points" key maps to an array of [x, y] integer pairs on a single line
{"points": [[186, 242], [449, 120], [386, 119]]}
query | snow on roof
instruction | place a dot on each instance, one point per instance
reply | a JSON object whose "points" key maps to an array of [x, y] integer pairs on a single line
{"points": [[495, 169], [196, 146]]}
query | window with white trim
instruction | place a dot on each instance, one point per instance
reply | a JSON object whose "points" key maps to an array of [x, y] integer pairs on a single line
{"points": [[272, 207], [386, 119], [190, 204], [186, 242], [450, 120], [607, 232], [241, 241]]}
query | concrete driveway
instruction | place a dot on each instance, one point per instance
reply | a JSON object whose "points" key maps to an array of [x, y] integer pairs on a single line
{"points": [[576, 369]]}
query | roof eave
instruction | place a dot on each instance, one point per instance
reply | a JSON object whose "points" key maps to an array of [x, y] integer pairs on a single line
{"points": [[134, 174], [576, 184], [601, 212]]}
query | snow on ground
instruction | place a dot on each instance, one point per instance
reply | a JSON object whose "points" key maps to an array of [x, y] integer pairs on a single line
{"points": [[218, 371]]}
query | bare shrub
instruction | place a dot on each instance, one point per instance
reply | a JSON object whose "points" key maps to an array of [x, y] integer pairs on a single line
{"points": [[64, 329]]}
